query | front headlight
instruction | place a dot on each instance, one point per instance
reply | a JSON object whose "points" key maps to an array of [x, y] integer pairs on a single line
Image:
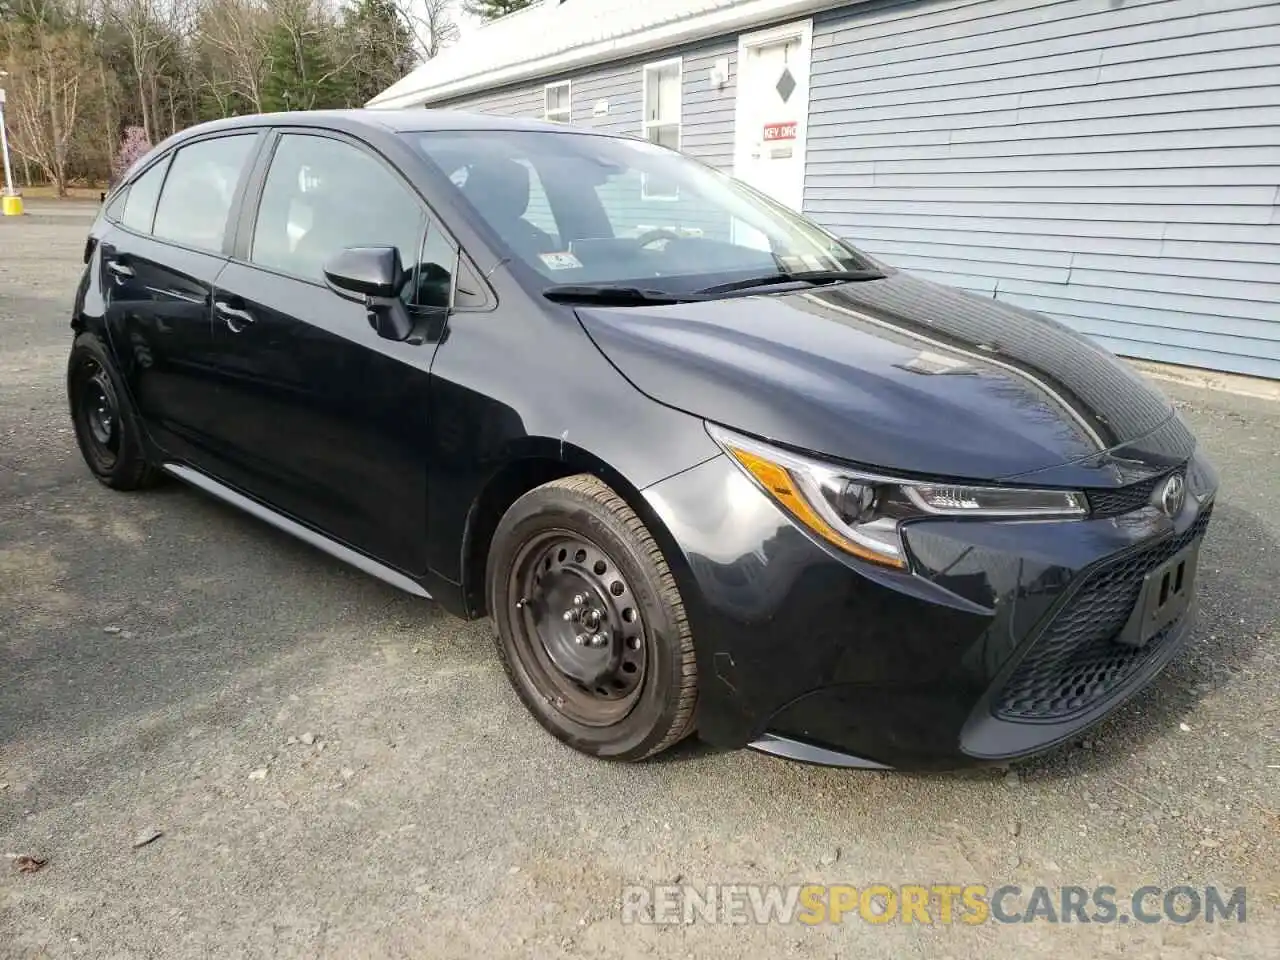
{"points": [[862, 512]]}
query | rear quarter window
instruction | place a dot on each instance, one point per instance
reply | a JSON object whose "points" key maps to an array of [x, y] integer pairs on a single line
{"points": [[115, 206]]}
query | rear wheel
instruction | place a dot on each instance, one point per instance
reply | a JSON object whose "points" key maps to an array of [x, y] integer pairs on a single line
{"points": [[106, 425], [591, 627]]}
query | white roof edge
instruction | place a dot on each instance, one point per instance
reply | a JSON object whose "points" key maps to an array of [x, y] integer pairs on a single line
{"points": [[730, 19]]}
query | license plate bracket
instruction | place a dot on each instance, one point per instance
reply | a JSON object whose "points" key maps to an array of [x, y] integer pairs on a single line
{"points": [[1165, 596]]}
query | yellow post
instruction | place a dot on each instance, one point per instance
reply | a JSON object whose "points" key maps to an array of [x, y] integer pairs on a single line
{"points": [[11, 204]]}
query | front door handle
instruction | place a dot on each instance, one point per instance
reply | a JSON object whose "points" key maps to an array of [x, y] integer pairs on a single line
{"points": [[235, 318], [122, 271]]}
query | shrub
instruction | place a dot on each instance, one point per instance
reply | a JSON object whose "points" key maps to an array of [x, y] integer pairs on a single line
{"points": [[133, 146]]}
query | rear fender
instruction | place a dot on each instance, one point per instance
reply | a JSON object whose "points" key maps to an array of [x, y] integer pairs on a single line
{"points": [[90, 311]]}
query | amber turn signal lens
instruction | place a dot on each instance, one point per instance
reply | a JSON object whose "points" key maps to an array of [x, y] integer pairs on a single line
{"points": [[777, 480]]}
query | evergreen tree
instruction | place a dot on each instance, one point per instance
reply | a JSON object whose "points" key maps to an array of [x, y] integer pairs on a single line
{"points": [[382, 47], [492, 9], [303, 72]]}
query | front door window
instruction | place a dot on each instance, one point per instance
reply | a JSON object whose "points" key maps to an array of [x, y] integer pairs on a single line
{"points": [[323, 195]]}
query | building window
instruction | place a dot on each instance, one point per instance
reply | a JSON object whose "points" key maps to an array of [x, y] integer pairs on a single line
{"points": [[557, 102], [662, 82], [662, 103]]}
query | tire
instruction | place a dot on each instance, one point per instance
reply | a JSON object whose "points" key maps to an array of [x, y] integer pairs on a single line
{"points": [[575, 540], [107, 427]]}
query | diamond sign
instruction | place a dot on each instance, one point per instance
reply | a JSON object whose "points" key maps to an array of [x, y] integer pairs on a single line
{"points": [[786, 85]]}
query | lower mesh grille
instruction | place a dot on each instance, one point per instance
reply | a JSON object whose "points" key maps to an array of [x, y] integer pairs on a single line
{"points": [[1075, 662]]}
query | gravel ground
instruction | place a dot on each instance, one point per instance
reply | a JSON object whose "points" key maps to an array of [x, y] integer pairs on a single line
{"points": [[336, 770]]}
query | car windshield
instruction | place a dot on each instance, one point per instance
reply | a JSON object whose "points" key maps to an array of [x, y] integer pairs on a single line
{"points": [[586, 209]]}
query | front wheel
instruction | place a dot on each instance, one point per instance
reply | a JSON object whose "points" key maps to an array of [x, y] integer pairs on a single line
{"points": [[591, 627]]}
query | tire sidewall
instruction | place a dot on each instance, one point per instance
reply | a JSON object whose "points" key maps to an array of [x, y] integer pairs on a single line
{"points": [[130, 467], [548, 509]]}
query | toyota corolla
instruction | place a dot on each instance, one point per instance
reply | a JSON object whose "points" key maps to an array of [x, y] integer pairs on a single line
{"points": [[705, 465]]}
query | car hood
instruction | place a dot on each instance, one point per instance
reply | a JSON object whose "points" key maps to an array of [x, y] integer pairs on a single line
{"points": [[901, 374]]}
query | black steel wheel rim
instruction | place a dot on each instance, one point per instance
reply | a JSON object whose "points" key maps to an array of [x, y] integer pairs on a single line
{"points": [[579, 630], [97, 414]]}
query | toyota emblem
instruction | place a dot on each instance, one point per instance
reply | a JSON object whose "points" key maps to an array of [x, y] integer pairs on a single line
{"points": [[1172, 495]]}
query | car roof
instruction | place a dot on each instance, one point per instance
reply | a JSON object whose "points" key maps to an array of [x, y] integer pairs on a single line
{"points": [[395, 121]]}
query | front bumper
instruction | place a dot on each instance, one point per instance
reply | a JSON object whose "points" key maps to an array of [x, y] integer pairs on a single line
{"points": [[998, 644]]}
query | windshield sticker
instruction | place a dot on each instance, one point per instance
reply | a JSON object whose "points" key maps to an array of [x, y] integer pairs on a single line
{"points": [[560, 261]]}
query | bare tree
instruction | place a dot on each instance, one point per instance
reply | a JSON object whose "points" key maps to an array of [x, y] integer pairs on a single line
{"points": [[98, 20], [51, 73], [83, 71], [141, 22], [432, 23], [181, 20], [231, 44]]}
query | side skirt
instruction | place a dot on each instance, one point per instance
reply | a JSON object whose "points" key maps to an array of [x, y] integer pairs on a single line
{"points": [[319, 540]]}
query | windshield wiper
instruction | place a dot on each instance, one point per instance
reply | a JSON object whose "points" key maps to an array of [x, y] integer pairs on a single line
{"points": [[612, 293], [623, 295], [798, 276]]}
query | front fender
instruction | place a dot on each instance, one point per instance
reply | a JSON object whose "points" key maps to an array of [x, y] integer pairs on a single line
{"points": [[485, 453]]}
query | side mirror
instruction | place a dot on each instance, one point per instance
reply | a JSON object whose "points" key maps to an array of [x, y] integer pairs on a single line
{"points": [[373, 276], [358, 273]]}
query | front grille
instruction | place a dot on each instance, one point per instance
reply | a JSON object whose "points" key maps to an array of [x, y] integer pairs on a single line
{"points": [[1122, 500], [1075, 662]]}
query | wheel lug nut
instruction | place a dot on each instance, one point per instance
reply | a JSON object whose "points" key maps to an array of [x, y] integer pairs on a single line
{"points": [[570, 615], [579, 599], [580, 639], [599, 640]]}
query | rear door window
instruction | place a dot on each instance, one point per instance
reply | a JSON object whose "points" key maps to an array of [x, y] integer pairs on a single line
{"points": [[140, 199], [197, 196]]}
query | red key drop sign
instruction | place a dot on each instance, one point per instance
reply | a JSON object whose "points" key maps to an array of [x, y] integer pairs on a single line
{"points": [[779, 131]]}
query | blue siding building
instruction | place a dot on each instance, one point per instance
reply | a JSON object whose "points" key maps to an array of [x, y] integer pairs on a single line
{"points": [[1114, 163]]}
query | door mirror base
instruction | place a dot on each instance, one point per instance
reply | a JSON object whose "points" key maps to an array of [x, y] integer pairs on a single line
{"points": [[389, 318], [392, 320]]}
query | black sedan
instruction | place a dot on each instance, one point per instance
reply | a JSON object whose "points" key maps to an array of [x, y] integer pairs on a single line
{"points": [[706, 466]]}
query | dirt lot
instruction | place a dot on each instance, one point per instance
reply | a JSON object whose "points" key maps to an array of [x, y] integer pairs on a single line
{"points": [[339, 770]]}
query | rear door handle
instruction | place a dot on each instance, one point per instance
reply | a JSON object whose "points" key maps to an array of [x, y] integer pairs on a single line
{"points": [[235, 318], [121, 270]]}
